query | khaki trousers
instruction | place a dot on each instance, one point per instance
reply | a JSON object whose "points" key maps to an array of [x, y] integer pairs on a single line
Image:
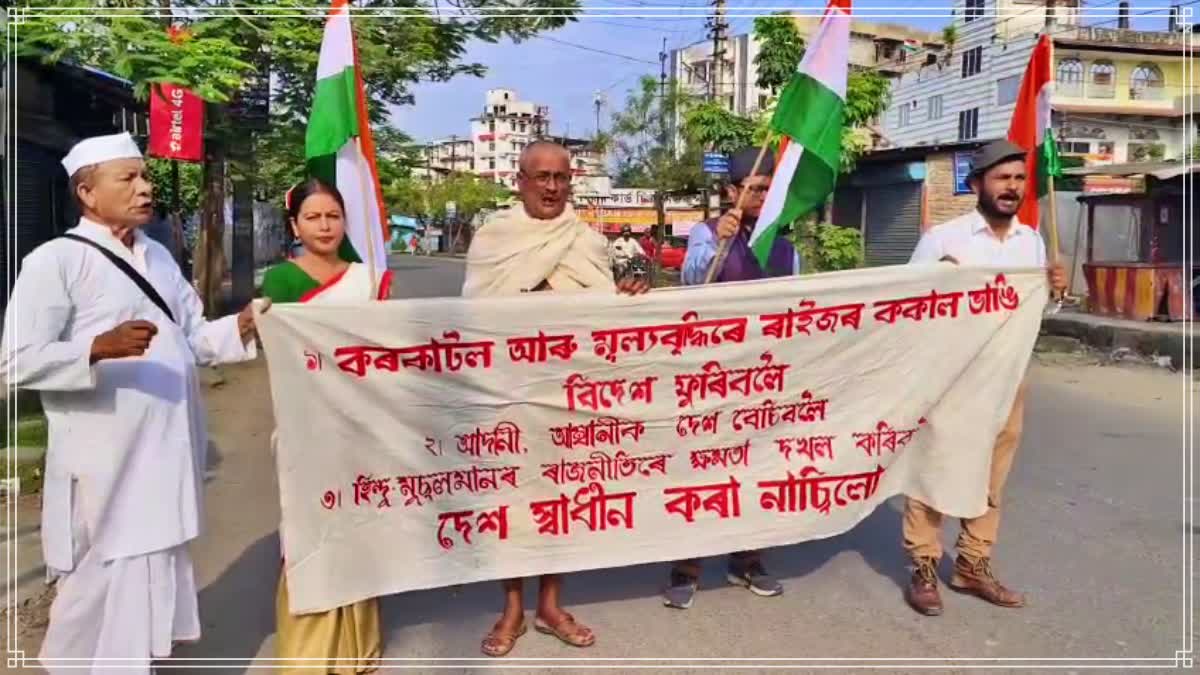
{"points": [[922, 526]]}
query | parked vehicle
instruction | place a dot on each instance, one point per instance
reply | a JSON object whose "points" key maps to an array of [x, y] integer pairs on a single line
{"points": [[673, 251]]}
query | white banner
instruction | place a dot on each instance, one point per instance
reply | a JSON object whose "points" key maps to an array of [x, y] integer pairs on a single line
{"points": [[424, 443]]}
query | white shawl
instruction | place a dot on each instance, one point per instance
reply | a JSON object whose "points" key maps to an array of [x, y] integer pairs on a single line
{"points": [[512, 252]]}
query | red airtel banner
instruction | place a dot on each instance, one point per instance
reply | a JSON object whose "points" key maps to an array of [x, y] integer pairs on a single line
{"points": [[176, 123]]}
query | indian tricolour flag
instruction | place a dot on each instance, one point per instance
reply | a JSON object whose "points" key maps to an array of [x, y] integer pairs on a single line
{"points": [[338, 145], [1031, 130], [809, 117]]}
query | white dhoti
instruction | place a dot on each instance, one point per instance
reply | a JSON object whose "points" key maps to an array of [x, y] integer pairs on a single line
{"points": [[117, 615]]}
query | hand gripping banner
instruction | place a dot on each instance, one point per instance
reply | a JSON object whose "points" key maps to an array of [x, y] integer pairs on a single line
{"points": [[424, 443]]}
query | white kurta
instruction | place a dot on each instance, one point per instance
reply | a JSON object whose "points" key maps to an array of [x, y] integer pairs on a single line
{"points": [[127, 437]]}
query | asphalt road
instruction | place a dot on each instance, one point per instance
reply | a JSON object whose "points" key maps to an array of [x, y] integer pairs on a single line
{"points": [[1093, 532], [426, 276]]}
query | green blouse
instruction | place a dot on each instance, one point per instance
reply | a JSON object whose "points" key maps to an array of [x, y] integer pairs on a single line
{"points": [[286, 282]]}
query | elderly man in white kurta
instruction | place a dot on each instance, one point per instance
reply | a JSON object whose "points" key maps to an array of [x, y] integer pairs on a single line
{"points": [[114, 359]]}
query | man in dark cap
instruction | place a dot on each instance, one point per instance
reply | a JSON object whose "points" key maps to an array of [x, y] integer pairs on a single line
{"points": [[745, 567], [736, 225], [988, 236]]}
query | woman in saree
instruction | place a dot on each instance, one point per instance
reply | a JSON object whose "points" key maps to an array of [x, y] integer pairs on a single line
{"points": [[347, 638]]}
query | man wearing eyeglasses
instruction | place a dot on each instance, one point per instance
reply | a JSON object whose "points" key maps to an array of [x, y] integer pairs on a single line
{"points": [[539, 245], [736, 226], [745, 567]]}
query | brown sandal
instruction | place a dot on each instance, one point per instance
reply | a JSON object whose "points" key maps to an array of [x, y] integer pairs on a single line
{"points": [[498, 643], [567, 630]]}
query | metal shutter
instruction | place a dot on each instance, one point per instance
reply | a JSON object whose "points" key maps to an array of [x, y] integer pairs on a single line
{"points": [[893, 222]]}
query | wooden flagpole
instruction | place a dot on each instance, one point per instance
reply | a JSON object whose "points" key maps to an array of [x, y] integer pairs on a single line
{"points": [[718, 260], [1054, 257]]}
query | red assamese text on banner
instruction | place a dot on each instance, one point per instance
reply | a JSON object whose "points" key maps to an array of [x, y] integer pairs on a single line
{"points": [[466, 440]]}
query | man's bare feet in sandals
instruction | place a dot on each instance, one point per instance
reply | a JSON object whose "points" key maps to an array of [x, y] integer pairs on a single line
{"points": [[563, 626], [503, 637]]}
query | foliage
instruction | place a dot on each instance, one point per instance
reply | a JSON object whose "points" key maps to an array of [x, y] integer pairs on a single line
{"points": [[867, 94], [30, 433], [711, 125], [950, 36], [471, 194], [189, 184], [826, 248], [834, 247], [638, 131], [855, 142], [216, 54], [134, 45], [1192, 154], [780, 50], [219, 50]]}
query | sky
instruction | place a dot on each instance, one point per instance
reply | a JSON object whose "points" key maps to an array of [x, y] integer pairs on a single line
{"points": [[566, 78]]}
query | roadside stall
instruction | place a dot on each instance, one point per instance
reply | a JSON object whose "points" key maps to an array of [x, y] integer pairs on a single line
{"points": [[1133, 240]]}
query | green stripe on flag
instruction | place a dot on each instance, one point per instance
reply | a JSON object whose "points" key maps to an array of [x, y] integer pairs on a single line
{"points": [[334, 118], [811, 184], [811, 114], [1048, 163]]}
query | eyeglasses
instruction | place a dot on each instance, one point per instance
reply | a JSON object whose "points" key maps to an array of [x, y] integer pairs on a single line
{"points": [[543, 178], [755, 189]]}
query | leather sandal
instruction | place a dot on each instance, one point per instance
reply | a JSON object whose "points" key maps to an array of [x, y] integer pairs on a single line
{"points": [[499, 643], [567, 630]]}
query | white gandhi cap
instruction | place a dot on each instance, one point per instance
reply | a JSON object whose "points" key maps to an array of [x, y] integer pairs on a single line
{"points": [[99, 149]]}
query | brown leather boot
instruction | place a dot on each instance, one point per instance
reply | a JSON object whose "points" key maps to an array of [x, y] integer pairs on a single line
{"points": [[922, 592], [974, 576]]}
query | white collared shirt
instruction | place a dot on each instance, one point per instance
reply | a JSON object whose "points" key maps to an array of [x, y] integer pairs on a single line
{"points": [[970, 241], [127, 437]]}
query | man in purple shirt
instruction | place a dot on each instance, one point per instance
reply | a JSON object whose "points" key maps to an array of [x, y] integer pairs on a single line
{"points": [[745, 567], [736, 225]]}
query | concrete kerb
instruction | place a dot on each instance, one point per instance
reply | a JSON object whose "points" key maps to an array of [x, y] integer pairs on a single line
{"points": [[1149, 340]]}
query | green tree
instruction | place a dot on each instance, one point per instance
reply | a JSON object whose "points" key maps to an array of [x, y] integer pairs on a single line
{"points": [[711, 125], [218, 53], [780, 50], [427, 199], [638, 132], [189, 185]]}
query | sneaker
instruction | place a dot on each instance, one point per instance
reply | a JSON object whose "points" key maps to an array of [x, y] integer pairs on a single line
{"points": [[754, 577], [681, 592]]}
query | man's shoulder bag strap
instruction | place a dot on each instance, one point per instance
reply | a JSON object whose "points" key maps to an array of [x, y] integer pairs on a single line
{"points": [[133, 274]]}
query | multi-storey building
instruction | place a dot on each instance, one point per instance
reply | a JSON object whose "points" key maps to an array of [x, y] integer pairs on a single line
{"points": [[883, 46], [1119, 96], [1119, 93], [498, 135]]}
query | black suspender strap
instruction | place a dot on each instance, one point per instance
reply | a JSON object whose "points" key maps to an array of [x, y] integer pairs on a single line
{"points": [[133, 274]]}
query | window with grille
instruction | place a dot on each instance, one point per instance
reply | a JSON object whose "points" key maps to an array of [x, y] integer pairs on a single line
{"points": [[968, 124], [1146, 82], [972, 10], [972, 61], [935, 107], [1069, 77], [1074, 147]]}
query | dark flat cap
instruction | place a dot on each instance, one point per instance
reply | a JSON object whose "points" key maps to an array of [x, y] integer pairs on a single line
{"points": [[742, 161], [994, 153]]}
